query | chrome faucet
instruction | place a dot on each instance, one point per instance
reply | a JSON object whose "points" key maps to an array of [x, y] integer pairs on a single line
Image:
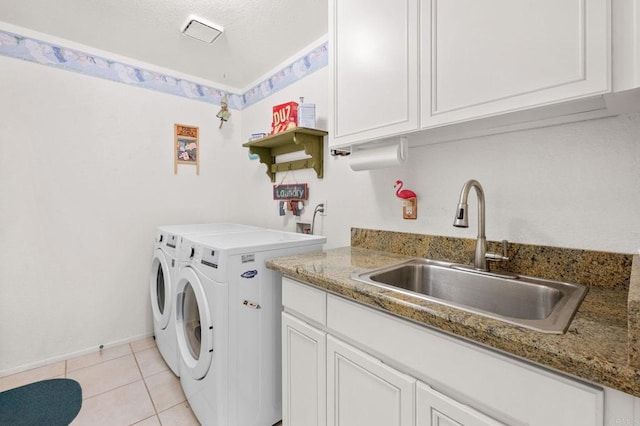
{"points": [[462, 221]]}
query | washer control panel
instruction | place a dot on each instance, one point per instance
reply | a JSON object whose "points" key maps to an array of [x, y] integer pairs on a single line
{"points": [[172, 240]]}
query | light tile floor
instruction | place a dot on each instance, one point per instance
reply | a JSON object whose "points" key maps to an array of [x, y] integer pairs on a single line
{"points": [[124, 385]]}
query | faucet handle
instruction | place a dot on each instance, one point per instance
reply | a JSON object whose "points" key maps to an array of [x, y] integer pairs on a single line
{"points": [[495, 257]]}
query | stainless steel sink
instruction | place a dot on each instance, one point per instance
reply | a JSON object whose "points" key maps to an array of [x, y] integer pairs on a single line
{"points": [[534, 303]]}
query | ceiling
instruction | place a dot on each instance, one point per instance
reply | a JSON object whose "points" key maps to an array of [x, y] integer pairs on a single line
{"points": [[258, 34]]}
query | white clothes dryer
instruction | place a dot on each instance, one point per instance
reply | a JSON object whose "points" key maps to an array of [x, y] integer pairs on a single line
{"points": [[228, 324], [162, 278]]}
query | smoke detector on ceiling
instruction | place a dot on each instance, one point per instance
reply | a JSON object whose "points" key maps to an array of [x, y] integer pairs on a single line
{"points": [[202, 30]]}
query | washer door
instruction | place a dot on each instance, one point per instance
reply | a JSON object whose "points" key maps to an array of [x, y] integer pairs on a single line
{"points": [[193, 325], [160, 290]]}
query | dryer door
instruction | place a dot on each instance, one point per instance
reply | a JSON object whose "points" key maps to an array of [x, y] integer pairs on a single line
{"points": [[160, 290], [193, 325]]}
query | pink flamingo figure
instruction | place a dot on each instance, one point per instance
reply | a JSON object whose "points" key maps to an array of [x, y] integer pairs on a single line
{"points": [[405, 194]]}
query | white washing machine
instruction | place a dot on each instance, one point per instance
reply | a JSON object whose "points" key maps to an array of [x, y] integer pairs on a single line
{"points": [[162, 280], [228, 325]]}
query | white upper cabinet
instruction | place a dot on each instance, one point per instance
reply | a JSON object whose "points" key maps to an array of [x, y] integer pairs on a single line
{"points": [[484, 58], [463, 68], [374, 62]]}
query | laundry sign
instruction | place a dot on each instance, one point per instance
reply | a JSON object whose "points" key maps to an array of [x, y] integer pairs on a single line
{"points": [[296, 191]]}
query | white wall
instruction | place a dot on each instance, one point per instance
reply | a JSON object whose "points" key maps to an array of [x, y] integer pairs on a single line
{"points": [[574, 185], [86, 174]]}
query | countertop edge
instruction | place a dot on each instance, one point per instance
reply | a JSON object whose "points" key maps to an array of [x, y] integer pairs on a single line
{"points": [[633, 313]]}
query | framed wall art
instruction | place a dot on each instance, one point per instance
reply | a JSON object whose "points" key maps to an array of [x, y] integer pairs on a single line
{"points": [[186, 144]]}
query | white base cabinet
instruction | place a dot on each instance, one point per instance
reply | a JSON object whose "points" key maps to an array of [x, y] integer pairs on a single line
{"points": [[345, 364], [303, 373], [436, 409], [361, 390]]}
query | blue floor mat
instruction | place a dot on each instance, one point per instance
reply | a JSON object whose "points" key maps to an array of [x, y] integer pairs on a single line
{"points": [[54, 402]]}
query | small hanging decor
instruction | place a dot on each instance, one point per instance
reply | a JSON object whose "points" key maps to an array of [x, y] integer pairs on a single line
{"points": [[186, 147], [224, 113], [409, 201], [290, 197]]}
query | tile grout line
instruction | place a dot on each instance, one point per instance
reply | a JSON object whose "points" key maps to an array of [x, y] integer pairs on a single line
{"points": [[117, 387], [155, 409], [112, 389], [97, 363]]}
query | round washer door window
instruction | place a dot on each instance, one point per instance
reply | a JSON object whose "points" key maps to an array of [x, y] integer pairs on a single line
{"points": [[194, 326], [191, 322], [160, 290]]}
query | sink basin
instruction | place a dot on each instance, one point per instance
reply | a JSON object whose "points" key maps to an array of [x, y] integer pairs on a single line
{"points": [[535, 303]]}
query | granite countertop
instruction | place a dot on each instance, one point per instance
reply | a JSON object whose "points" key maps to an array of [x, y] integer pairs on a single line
{"points": [[599, 346]]}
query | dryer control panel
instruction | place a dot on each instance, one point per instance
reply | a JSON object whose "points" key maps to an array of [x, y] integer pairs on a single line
{"points": [[210, 257]]}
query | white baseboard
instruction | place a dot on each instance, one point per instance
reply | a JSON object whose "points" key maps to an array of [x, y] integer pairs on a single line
{"points": [[70, 355]]}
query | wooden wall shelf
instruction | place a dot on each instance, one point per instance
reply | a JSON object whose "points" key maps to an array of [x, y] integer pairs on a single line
{"points": [[298, 139]]}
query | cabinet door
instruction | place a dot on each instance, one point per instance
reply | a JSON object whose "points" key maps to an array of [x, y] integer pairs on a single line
{"points": [[374, 62], [436, 409], [517, 391], [361, 390], [303, 373], [480, 59]]}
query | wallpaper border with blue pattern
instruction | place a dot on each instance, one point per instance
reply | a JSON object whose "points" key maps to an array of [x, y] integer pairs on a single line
{"points": [[45, 53]]}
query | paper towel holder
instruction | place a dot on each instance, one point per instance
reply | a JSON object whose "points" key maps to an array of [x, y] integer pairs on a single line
{"points": [[340, 152], [402, 142], [379, 154], [343, 152]]}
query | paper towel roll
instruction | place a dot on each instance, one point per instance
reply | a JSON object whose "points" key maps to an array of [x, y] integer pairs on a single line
{"points": [[389, 155]]}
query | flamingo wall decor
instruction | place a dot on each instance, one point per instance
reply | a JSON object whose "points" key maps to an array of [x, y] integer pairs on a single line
{"points": [[409, 201]]}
